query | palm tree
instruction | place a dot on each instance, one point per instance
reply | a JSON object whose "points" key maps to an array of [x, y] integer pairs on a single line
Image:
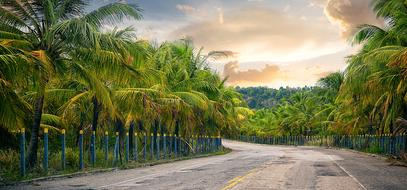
{"points": [[50, 31]]}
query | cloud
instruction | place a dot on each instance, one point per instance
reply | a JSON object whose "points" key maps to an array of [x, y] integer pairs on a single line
{"points": [[263, 33], [187, 9], [268, 74], [220, 16], [350, 14], [323, 74]]}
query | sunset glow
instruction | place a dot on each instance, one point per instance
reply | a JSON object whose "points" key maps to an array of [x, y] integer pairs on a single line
{"points": [[301, 40]]}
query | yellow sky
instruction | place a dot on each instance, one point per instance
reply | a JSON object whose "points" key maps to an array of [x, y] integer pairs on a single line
{"points": [[274, 42]]}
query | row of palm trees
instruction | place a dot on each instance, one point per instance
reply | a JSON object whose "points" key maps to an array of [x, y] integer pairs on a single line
{"points": [[370, 96], [60, 68]]}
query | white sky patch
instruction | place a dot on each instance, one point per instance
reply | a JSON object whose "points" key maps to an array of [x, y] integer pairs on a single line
{"points": [[187, 9], [220, 15], [287, 8]]}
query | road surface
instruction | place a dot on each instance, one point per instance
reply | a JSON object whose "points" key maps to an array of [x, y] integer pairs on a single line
{"points": [[250, 166]]}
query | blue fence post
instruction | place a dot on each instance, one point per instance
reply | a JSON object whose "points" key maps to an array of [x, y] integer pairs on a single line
{"points": [[165, 146], [106, 146], [196, 144], [192, 143], [92, 149], [175, 145], [135, 151], [63, 149], [22, 152], [116, 149], [170, 146], [127, 147], [152, 146], [81, 149], [45, 163], [145, 146], [180, 146], [158, 146]]}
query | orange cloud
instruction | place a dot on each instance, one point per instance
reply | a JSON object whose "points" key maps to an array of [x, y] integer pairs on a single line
{"points": [[252, 76], [350, 14], [323, 74], [263, 33]]}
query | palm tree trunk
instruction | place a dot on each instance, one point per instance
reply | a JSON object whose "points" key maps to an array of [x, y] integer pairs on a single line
{"points": [[122, 133], [33, 145], [131, 135], [96, 111]]}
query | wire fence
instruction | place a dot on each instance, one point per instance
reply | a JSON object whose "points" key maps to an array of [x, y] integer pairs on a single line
{"points": [[381, 144], [114, 150]]}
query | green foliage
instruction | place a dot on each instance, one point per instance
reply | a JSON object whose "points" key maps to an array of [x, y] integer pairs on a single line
{"points": [[369, 97], [9, 163], [60, 70], [263, 97]]}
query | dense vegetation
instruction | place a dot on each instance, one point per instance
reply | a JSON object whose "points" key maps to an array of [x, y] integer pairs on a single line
{"points": [[264, 97], [61, 69], [369, 97]]}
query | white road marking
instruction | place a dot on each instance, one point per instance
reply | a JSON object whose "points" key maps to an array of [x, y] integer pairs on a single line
{"points": [[350, 175]]}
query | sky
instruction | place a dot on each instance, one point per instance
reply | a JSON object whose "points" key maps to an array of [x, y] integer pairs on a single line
{"points": [[274, 43]]}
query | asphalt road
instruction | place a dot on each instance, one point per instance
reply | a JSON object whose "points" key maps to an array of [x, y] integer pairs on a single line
{"points": [[250, 166]]}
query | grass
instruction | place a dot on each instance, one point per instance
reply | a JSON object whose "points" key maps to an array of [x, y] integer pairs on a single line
{"points": [[9, 162]]}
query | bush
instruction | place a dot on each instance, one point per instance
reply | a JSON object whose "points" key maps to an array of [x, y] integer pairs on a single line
{"points": [[9, 164]]}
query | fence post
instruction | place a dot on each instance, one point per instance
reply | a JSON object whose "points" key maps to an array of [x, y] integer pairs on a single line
{"points": [[170, 151], [151, 146], [135, 151], [175, 145], [197, 144], [165, 146], [81, 149], [158, 146], [22, 152], [63, 149], [45, 164], [179, 145], [126, 153], [145, 146], [116, 149], [106, 145], [92, 149]]}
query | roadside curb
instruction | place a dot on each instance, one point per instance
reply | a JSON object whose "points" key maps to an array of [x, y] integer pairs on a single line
{"points": [[104, 170]]}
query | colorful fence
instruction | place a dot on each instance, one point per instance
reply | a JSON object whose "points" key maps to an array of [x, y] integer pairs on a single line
{"points": [[384, 144], [145, 147]]}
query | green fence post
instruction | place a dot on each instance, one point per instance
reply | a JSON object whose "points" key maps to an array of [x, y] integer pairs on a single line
{"points": [[81, 149], [22, 152], [63, 149], [106, 146], [126, 153], [92, 149], [45, 163]]}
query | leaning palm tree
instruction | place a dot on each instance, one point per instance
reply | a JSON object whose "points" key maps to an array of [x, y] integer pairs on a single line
{"points": [[50, 31]]}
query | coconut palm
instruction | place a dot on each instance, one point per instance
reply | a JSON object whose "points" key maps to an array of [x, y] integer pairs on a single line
{"points": [[50, 31]]}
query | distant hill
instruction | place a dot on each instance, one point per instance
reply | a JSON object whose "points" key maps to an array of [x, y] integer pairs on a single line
{"points": [[264, 97]]}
